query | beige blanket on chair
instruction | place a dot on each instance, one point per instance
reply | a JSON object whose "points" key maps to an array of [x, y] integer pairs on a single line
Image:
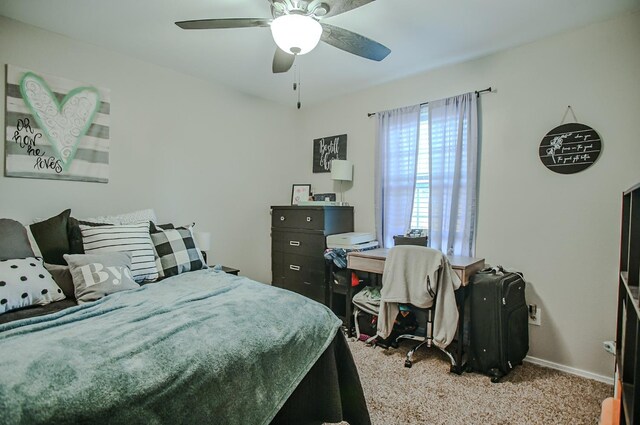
{"points": [[411, 275]]}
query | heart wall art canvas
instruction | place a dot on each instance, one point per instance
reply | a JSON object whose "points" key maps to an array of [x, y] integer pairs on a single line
{"points": [[55, 128]]}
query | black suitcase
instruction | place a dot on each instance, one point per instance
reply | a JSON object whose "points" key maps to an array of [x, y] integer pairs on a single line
{"points": [[499, 328]]}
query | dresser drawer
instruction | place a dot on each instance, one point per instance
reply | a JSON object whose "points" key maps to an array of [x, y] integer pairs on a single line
{"points": [[295, 262], [289, 268], [302, 243], [298, 218], [315, 292], [305, 275]]}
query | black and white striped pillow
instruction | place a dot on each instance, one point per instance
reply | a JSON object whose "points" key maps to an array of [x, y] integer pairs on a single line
{"points": [[133, 238]]}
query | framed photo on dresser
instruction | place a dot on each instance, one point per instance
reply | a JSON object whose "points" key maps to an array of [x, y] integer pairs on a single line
{"points": [[300, 192]]}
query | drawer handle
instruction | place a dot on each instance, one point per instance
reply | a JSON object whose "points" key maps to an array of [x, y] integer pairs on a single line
{"points": [[306, 283], [296, 268], [308, 219], [281, 218], [294, 243]]}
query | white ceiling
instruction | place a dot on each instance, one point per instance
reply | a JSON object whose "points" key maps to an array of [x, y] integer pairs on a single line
{"points": [[422, 35]]}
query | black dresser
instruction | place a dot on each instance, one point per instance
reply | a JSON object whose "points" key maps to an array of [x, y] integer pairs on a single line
{"points": [[298, 241]]}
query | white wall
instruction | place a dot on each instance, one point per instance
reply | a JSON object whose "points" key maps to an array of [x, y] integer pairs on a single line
{"points": [[562, 231], [191, 150]]}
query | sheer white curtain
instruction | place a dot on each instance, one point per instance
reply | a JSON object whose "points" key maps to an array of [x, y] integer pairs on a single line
{"points": [[453, 139], [395, 173]]}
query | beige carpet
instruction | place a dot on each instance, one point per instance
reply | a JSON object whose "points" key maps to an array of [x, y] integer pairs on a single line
{"points": [[428, 394]]}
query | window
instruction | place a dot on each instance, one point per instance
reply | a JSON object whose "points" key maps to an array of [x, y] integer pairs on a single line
{"points": [[420, 212], [426, 170]]}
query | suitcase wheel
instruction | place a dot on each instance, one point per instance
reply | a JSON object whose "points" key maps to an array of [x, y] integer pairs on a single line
{"points": [[496, 375]]}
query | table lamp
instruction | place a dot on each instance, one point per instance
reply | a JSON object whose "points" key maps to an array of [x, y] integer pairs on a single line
{"points": [[203, 242], [341, 170]]}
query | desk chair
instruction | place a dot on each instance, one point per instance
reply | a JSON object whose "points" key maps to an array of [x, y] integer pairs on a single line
{"points": [[412, 274], [423, 334]]}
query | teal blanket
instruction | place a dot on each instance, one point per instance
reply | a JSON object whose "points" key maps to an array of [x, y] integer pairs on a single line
{"points": [[202, 347]]}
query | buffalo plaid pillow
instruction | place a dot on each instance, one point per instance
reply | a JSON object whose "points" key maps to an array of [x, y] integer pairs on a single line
{"points": [[177, 251]]}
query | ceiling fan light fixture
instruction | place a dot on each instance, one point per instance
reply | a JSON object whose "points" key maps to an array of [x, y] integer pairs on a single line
{"points": [[296, 34]]}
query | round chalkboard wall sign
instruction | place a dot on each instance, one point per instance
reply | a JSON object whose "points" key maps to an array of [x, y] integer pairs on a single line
{"points": [[570, 148]]}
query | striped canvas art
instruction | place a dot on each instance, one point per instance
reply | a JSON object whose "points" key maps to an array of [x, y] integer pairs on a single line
{"points": [[133, 238], [55, 128]]}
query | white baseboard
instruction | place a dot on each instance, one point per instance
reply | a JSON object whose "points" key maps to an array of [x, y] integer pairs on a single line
{"points": [[571, 370]]}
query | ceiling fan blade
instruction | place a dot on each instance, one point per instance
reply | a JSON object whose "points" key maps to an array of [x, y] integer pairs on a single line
{"points": [[353, 43], [282, 61], [210, 24], [337, 7]]}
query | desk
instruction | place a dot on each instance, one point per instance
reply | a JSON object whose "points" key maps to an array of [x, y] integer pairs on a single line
{"points": [[372, 261]]}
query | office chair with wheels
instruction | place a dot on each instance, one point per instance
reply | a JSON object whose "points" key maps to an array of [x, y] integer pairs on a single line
{"points": [[421, 279]]}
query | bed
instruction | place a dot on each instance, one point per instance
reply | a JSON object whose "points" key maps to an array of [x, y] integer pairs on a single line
{"points": [[199, 347]]}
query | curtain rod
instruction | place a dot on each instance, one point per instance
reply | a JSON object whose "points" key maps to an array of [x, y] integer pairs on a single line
{"points": [[477, 92]]}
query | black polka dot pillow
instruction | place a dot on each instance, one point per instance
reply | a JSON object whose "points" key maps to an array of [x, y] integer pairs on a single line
{"points": [[25, 282]]}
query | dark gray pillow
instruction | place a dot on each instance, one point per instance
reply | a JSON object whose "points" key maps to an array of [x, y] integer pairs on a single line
{"points": [[51, 237], [62, 276], [98, 275], [14, 242]]}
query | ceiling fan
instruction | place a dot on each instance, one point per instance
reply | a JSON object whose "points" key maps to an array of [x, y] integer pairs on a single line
{"points": [[297, 27]]}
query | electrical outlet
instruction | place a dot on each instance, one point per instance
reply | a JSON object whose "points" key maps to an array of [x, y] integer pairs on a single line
{"points": [[609, 347], [534, 315]]}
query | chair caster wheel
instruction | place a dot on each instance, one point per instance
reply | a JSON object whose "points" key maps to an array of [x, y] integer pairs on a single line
{"points": [[456, 369], [408, 363], [495, 379]]}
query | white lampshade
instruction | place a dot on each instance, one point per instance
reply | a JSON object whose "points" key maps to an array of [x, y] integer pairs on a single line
{"points": [[202, 240], [341, 170], [296, 34]]}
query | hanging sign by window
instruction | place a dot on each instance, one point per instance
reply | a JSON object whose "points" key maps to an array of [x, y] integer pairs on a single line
{"points": [[570, 148]]}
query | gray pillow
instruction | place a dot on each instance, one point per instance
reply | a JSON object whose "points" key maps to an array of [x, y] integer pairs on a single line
{"points": [[62, 276], [98, 275], [14, 242]]}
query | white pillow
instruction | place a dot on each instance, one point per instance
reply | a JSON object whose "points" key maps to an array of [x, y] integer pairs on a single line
{"points": [[125, 218], [25, 282], [133, 238]]}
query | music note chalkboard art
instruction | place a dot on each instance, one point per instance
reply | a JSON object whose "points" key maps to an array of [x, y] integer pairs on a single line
{"points": [[570, 148], [326, 149]]}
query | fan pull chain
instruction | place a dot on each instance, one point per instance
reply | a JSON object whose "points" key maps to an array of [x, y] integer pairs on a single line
{"points": [[299, 91], [296, 84]]}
